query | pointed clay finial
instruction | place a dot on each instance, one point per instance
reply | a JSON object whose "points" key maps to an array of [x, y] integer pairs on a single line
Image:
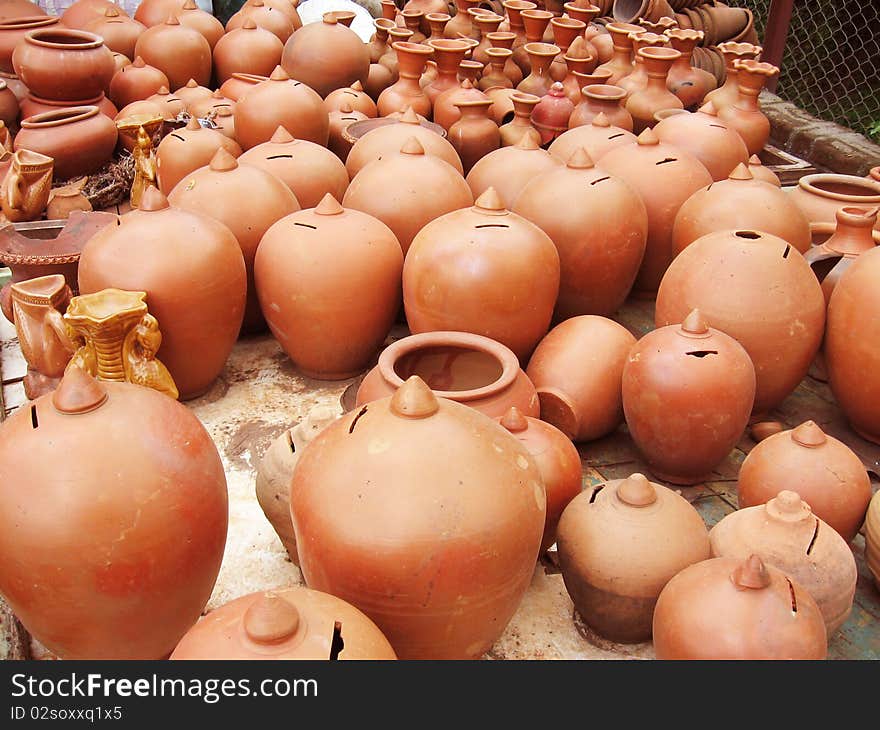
{"points": [[601, 120], [466, 84], [190, 5], [695, 323], [788, 506], [557, 89], [580, 160], [409, 116], [249, 24], [270, 619], [345, 108], [111, 12], [192, 84], [755, 160], [578, 48], [357, 86], [741, 172], [412, 146], [648, 137], [281, 136], [490, 203], [531, 140], [329, 206], [751, 573], [78, 392], [808, 434], [172, 20], [193, 124], [708, 108], [153, 199], [637, 491], [139, 62], [414, 399], [163, 91], [222, 161], [514, 420], [279, 74]]}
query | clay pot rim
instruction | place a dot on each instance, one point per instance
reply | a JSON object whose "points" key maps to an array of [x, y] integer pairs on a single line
{"points": [[662, 114], [94, 101], [827, 229], [604, 92], [81, 40], [410, 47], [519, 5], [501, 35], [65, 115], [465, 340], [542, 49], [384, 24], [29, 21], [810, 184], [447, 44]]}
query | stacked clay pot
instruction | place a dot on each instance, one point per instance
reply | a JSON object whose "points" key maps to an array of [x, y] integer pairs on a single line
{"points": [[135, 82], [289, 623], [136, 464], [619, 544], [821, 195], [328, 280], [784, 533], [822, 470], [597, 138], [179, 51], [185, 150], [248, 49], [484, 270], [577, 370], [397, 536], [193, 271], [771, 285]]}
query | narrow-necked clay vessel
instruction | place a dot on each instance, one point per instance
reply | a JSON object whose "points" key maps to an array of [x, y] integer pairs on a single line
{"points": [[822, 470], [621, 62], [821, 195], [119, 32], [597, 138], [601, 99], [193, 271], [389, 60], [599, 226], [407, 92], [287, 623], [688, 391], [448, 53], [740, 202], [506, 40], [541, 56], [328, 279], [786, 534], [192, 16], [609, 550], [466, 368], [135, 82], [248, 49], [139, 465], [179, 51], [402, 548], [728, 608], [688, 83], [643, 103], [745, 115], [355, 97], [186, 150], [470, 270], [772, 286], [727, 94], [494, 75], [872, 539], [577, 371], [484, 23], [557, 459], [474, 135], [579, 62], [521, 125], [638, 79]]}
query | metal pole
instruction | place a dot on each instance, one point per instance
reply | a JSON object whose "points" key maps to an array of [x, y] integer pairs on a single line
{"points": [[775, 35]]}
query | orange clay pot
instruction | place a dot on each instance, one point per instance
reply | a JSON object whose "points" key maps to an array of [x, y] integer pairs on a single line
{"points": [[135, 82], [179, 51], [596, 138], [185, 150]]}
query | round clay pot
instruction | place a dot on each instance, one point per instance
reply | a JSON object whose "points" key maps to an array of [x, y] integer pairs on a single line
{"points": [[759, 172], [689, 84], [577, 370], [170, 105], [621, 62], [474, 135], [80, 139], [179, 51], [10, 9], [468, 369], [449, 465], [355, 97], [599, 226], [557, 459], [289, 623], [192, 16], [463, 270], [238, 84], [313, 270], [185, 150], [32, 105], [135, 82], [745, 115], [786, 534], [267, 16], [208, 107], [308, 169], [550, 116], [83, 12], [740, 203], [191, 93], [59, 63], [727, 94], [727, 608], [384, 189], [596, 138], [340, 120], [280, 101], [119, 32], [772, 286], [494, 75], [820, 195], [156, 12], [688, 391], [872, 539], [446, 111], [248, 49], [81, 591], [12, 31], [326, 56], [406, 92], [193, 271], [607, 547]]}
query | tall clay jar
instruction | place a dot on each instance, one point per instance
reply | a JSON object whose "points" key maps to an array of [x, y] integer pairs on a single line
{"points": [[642, 104], [513, 132], [745, 115], [688, 83], [688, 391], [494, 74], [541, 55], [727, 94], [607, 543], [435, 539], [621, 63], [474, 135], [448, 53], [506, 40], [407, 92], [535, 23]]}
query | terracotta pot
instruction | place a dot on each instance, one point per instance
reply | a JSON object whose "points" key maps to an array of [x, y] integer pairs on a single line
{"points": [[689, 84], [520, 127], [460, 606], [578, 60], [288, 7], [58, 63], [448, 54], [223, 120], [9, 107], [11, 9], [248, 49], [621, 62], [170, 105], [506, 40], [156, 12], [192, 16], [565, 32], [514, 9], [265, 16], [466, 368], [340, 120], [407, 92], [13, 30], [536, 23], [872, 539], [706, 137], [389, 60], [740, 203], [597, 138], [461, 24], [462, 267], [686, 425], [550, 116], [607, 548], [290, 623], [193, 271], [80, 139], [601, 99], [643, 103], [400, 205], [428, 7], [378, 45], [540, 56], [584, 403], [853, 235], [759, 172], [484, 23], [379, 78], [355, 97], [745, 115], [727, 94], [436, 21], [821, 195], [637, 80], [772, 285], [191, 93], [185, 150], [725, 608], [280, 101], [135, 82], [474, 135], [179, 51], [446, 111], [119, 32], [239, 84], [209, 106], [83, 12], [366, 258], [32, 105], [84, 593]]}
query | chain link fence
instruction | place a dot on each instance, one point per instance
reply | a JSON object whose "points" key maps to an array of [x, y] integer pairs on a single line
{"points": [[831, 63]]}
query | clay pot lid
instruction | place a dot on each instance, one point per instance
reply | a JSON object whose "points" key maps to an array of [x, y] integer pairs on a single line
{"points": [[222, 161], [514, 420], [787, 506], [490, 203], [329, 206], [809, 435], [270, 619], [413, 399], [153, 200], [78, 392], [580, 160], [695, 326], [751, 574], [636, 491]]}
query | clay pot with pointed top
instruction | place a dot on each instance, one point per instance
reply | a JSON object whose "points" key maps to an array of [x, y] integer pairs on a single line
{"points": [[463, 270], [119, 32], [340, 119], [268, 16], [446, 111], [621, 62], [82, 12], [239, 84], [185, 150], [599, 226], [208, 107], [169, 105], [135, 82], [191, 92], [179, 51], [760, 172], [688, 391], [248, 49], [193, 271], [551, 114], [607, 546], [521, 125], [727, 94], [577, 67], [601, 99], [406, 92], [83, 592], [597, 138], [155, 12], [192, 16], [355, 97], [280, 101], [773, 287], [474, 135], [471, 471], [307, 265]]}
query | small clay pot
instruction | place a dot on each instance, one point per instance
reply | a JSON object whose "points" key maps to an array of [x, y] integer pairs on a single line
{"points": [[406, 92], [820, 195], [270, 16], [355, 97], [596, 138], [119, 32], [248, 49], [643, 103], [185, 150], [191, 93], [601, 99], [12, 31], [474, 135], [607, 547], [192, 16], [179, 51], [521, 125], [506, 40], [135, 82], [621, 62], [541, 56], [745, 115], [448, 53], [638, 79]]}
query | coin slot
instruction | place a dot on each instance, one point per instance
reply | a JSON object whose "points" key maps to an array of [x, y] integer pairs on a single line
{"points": [[815, 535], [337, 644], [785, 253], [751, 235], [596, 493], [174, 134], [668, 159], [615, 136], [280, 157], [356, 419], [601, 179], [702, 353], [791, 593], [306, 225], [35, 422], [493, 225]]}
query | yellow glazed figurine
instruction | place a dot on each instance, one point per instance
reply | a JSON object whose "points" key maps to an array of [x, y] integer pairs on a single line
{"points": [[25, 190], [142, 130]]}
